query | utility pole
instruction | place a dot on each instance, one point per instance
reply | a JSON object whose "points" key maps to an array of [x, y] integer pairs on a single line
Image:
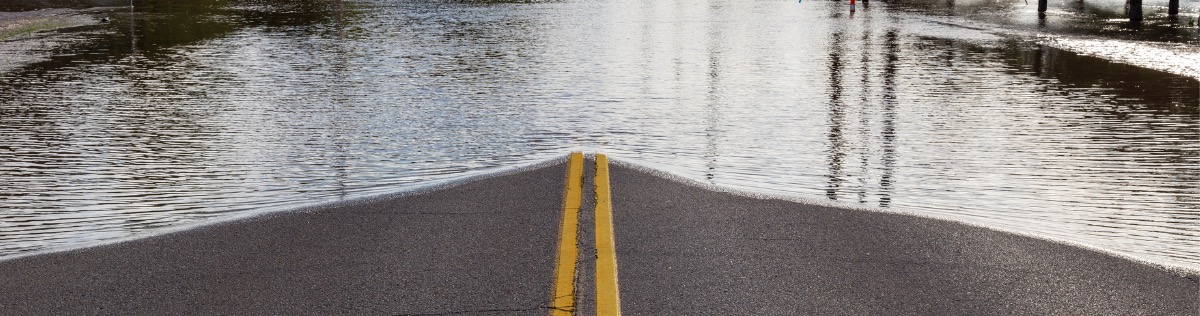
{"points": [[1135, 10]]}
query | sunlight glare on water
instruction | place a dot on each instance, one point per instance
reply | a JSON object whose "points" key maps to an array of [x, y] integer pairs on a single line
{"points": [[263, 107]]}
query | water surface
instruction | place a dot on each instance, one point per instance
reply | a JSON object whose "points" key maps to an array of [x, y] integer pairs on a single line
{"points": [[181, 112]]}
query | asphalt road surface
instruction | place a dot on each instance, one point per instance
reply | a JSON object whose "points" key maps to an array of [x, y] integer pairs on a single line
{"points": [[687, 251], [490, 247], [486, 246]]}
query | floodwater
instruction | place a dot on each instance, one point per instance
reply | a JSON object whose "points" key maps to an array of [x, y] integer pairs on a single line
{"points": [[180, 112]]}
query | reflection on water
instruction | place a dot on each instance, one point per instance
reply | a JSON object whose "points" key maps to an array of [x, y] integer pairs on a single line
{"points": [[263, 104]]}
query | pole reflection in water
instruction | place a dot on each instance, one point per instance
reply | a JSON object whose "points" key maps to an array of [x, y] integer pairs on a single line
{"points": [[713, 97], [888, 132], [864, 116], [836, 115]]}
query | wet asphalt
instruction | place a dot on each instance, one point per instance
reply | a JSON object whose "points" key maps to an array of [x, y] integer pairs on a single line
{"points": [[488, 247]]}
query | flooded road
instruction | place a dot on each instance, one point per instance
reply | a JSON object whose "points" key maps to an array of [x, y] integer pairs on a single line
{"points": [[175, 113]]}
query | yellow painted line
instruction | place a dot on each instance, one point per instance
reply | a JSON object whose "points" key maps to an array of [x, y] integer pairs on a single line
{"points": [[568, 252], [608, 298]]}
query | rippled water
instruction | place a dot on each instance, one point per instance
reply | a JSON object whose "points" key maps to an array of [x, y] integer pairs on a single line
{"points": [[177, 113]]}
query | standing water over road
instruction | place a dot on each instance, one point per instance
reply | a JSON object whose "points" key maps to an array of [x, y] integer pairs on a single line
{"points": [[180, 112]]}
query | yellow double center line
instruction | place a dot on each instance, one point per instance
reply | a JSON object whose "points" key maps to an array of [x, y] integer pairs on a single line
{"points": [[607, 298]]}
